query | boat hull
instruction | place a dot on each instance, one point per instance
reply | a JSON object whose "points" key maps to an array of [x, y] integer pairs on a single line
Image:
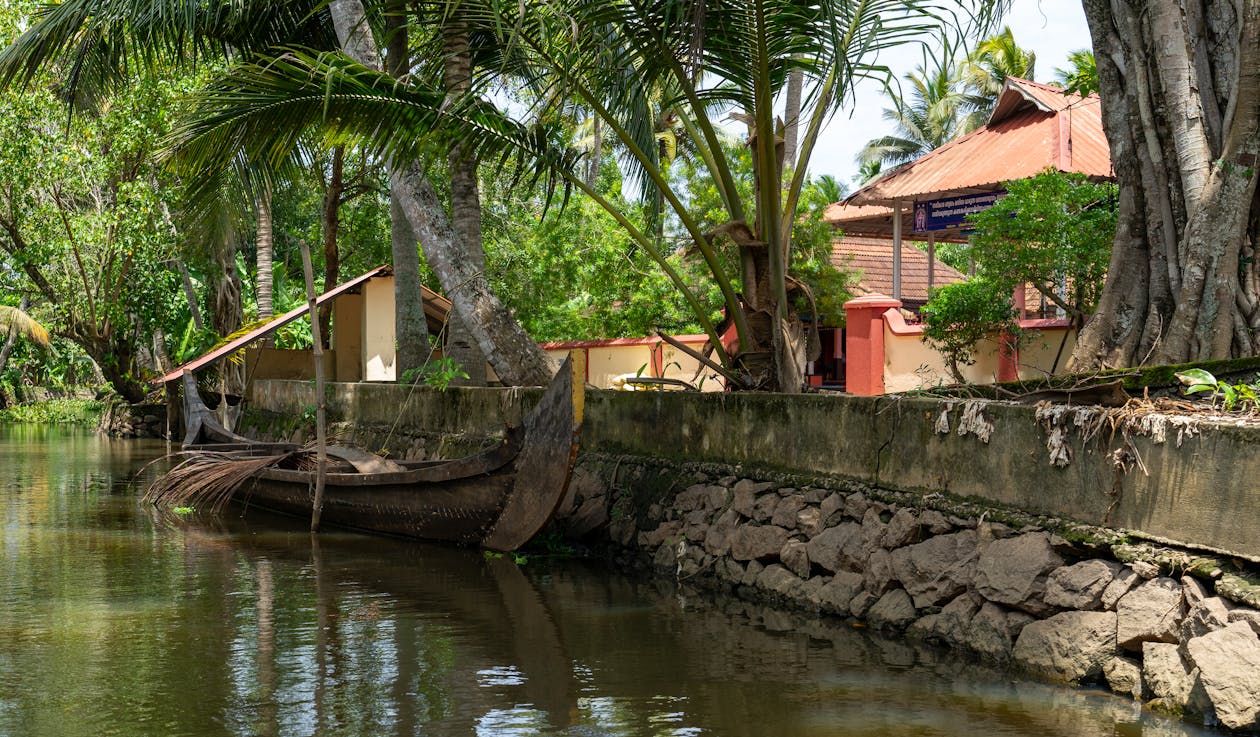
{"points": [[498, 498], [459, 511]]}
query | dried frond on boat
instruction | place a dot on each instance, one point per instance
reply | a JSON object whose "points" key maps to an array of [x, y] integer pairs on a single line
{"points": [[207, 478]]}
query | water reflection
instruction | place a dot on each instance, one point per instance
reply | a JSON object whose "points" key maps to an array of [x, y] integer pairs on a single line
{"points": [[118, 619]]}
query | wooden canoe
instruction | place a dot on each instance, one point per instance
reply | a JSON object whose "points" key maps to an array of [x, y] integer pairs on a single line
{"points": [[498, 498]]}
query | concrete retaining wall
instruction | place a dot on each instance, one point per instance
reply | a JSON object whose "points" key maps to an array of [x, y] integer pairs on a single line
{"points": [[1163, 477]]}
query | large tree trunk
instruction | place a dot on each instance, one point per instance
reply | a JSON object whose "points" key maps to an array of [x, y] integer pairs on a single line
{"points": [[517, 360], [461, 346], [411, 330], [1180, 85]]}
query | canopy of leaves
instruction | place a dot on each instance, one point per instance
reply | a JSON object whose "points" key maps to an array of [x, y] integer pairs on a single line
{"points": [[1054, 231]]}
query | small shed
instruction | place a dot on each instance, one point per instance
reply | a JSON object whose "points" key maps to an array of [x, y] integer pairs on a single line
{"points": [[362, 344]]}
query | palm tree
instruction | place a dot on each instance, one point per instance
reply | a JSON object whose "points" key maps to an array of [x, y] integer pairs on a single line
{"points": [[606, 55], [986, 69], [745, 52], [1082, 77], [929, 119], [95, 34], [14, 322]]}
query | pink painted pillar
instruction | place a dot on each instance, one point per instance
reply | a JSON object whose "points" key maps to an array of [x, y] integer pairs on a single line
{"points": [[1008, 351], [864, 345], [1008, 358]]}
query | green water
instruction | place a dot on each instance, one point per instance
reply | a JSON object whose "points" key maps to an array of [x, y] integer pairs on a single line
{"points": [[116, 619]]}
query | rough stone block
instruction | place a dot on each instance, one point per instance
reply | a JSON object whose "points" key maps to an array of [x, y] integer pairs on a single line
{"points": [[835, 596], [861, 604], [937, 569], [878, 577], [795, 558], [1080, 586], [902, 530], [757, 542], [893, 611], [785, 512], [834, 548], [1014, 572], [1150, 612], [1070, 647], [988, 634], [1228, 661], [1124, 676]]}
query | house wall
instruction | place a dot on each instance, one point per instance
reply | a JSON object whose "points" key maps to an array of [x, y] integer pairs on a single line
{"points": [[910, 363], [607, 360], [347, 336], [273, 363], [378, 356]]}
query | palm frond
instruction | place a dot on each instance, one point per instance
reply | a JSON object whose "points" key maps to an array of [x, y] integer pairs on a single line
{"points": [[13, 319]]}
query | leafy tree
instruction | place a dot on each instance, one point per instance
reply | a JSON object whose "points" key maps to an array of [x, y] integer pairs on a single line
{"points": [[82, 218], [1053, 231]]}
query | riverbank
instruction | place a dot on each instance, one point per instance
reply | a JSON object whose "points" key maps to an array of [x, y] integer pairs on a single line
{"points": [[55, 411], [1024, 537]]}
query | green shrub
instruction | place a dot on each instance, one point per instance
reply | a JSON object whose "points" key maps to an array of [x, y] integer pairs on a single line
{"points": [[958, 316], [55, 412]]}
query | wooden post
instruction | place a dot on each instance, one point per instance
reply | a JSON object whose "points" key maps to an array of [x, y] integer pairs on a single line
{"points": [[896, 254], [321, 440]]}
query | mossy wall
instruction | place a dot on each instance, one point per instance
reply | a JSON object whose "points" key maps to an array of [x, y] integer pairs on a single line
{"points": [[1189, 482]]}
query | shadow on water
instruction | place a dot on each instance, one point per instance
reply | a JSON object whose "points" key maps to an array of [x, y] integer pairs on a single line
{"points": [[116, 618]]}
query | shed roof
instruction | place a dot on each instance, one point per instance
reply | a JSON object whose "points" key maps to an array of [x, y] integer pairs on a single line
{"points": [[436, 308], [873, 256], [1033, 127]]}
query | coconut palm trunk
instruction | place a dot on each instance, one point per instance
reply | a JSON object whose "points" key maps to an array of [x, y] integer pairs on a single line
{"points": [[461, 345], [265, 247], [410, 329]]}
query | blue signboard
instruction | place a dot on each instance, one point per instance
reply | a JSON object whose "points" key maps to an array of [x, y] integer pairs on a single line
{"points": [[951, 213]]}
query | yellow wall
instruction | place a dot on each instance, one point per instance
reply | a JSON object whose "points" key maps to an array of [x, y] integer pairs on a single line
{"points": [[271, 363], [378, 331], [347, 334], [910, 363], [605, 363]]}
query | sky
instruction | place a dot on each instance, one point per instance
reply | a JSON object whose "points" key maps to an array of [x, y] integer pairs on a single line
{"points": [[1050, 28]]}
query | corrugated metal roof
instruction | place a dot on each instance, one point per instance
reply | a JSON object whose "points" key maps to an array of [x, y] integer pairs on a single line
{"points": [[876, 220], [1033, 127], [435, 306], [873, 257]]}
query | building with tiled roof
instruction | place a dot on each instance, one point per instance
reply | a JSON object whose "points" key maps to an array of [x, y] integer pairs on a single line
{"points": [[872, 258]]}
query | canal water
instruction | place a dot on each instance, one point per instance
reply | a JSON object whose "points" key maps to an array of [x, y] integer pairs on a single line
{"points": [[118, 619]]}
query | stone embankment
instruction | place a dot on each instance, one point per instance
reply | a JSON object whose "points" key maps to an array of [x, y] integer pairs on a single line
{"points": [[1062, 602], [123, 420]]}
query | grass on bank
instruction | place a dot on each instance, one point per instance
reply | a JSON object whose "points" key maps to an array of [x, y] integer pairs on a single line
{"points": [[54, 412]]}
